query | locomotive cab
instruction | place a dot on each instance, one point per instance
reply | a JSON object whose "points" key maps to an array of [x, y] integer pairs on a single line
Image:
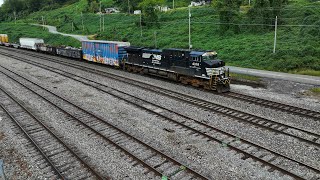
{"points": [[213, 69]]}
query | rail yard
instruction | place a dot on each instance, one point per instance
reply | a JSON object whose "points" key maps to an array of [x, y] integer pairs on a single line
{"points": [[68, 119]]}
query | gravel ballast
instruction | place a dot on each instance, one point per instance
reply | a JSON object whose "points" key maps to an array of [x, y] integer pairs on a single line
{"points": [[209, 158]]}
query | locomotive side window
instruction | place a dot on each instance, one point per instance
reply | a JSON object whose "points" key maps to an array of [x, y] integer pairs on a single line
{"points": [[196, 59]]}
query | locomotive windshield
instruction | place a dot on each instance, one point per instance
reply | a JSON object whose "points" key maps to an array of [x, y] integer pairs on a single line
{"points": [[209, 56]]}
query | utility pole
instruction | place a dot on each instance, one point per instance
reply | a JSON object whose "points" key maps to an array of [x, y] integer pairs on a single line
{"points": [[128, 6], [190, 46], [82, 21], [100, 17], [72, 26], [141, 24], [155, 39], [42, 22], [275, 34], [15, 17], [103, 23]]}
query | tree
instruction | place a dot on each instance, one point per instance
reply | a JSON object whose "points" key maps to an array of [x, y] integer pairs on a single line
{"points": [[260, 14], [264, 12], [229, 15], [123, 4], [149, 11]]}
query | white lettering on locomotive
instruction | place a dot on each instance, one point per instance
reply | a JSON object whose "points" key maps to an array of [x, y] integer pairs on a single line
{"points": [[195, 64]]}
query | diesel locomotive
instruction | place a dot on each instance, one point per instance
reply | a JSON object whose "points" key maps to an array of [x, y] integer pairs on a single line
{"points": [[198, 68]]}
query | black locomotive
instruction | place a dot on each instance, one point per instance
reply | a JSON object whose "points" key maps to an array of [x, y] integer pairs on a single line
{"points": [[198, 68]]}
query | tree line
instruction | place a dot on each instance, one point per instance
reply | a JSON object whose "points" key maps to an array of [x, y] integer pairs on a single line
{"points": [[21, 8], [260, 12]]}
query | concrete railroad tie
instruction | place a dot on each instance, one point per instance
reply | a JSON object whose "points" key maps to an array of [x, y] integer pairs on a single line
{"points": [[2, 177]]}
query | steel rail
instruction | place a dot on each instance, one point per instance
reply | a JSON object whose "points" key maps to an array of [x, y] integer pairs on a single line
{"points": [[275, 105], [243, 97], [217, 140], [98, 176], [244, 117], [103, 121]]}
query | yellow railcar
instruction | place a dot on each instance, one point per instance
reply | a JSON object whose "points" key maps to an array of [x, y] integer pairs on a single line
{"points": [[4, 38]]}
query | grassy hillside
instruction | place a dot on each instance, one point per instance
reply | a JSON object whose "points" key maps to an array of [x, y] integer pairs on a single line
{"points": [[15, 31], [297, 50]]}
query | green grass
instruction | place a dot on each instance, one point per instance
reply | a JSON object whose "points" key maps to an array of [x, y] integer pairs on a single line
{"points": [[245, 77], [15, 31], [315, 90], [307, 72], [296, 48]]}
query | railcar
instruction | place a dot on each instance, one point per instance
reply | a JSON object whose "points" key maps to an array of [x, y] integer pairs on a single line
{"points": [[44, 48], [198, 68], [4, 39], [69, 52], [30, 43], [105, 52]]}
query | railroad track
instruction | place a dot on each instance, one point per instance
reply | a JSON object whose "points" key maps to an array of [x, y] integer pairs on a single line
{"points": [[157, 163], [251, 99], [243, 117], [275, 105], [245, 147], [50, 150]]}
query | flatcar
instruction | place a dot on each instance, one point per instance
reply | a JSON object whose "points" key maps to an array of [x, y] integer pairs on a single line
{"points": [[71, 52], [41, 47]]}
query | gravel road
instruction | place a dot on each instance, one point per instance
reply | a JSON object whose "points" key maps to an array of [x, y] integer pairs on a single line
{"points": [[53, 30]]}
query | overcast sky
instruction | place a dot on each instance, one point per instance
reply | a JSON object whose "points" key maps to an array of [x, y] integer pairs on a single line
{"points": [[1, 1]]}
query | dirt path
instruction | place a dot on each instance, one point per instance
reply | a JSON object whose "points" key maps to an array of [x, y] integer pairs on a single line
{"points": [[53, 29]]}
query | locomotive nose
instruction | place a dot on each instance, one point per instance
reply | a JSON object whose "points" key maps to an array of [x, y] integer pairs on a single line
{"points": [[214, 63]]}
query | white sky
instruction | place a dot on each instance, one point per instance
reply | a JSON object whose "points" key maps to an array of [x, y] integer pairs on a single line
{"points": [[1, 1]]}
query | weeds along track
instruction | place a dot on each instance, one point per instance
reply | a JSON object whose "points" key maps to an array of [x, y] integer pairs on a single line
{"points": [[137, 152], [248, 150], [255, 100], [52, 152]]}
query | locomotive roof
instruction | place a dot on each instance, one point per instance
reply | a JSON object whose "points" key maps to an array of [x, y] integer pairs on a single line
{"points": [[176, 49], [119, 43], [152, 50], [197, 53]]}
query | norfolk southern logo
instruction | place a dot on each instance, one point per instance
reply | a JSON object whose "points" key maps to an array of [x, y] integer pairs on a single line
{"points": [[155, 58]]}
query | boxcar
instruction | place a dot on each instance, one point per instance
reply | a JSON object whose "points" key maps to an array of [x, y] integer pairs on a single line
{"points": [[105, 52]]}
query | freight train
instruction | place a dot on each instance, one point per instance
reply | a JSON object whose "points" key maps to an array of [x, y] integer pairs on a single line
{"points": [[198, 68]]}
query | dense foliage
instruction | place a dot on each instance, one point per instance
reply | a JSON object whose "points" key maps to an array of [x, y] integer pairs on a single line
{"points": [[16, 31], [19, 8], [241, 34]]}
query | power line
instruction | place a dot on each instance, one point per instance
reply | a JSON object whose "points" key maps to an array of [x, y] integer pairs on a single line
{"points": [[238, 24]]}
